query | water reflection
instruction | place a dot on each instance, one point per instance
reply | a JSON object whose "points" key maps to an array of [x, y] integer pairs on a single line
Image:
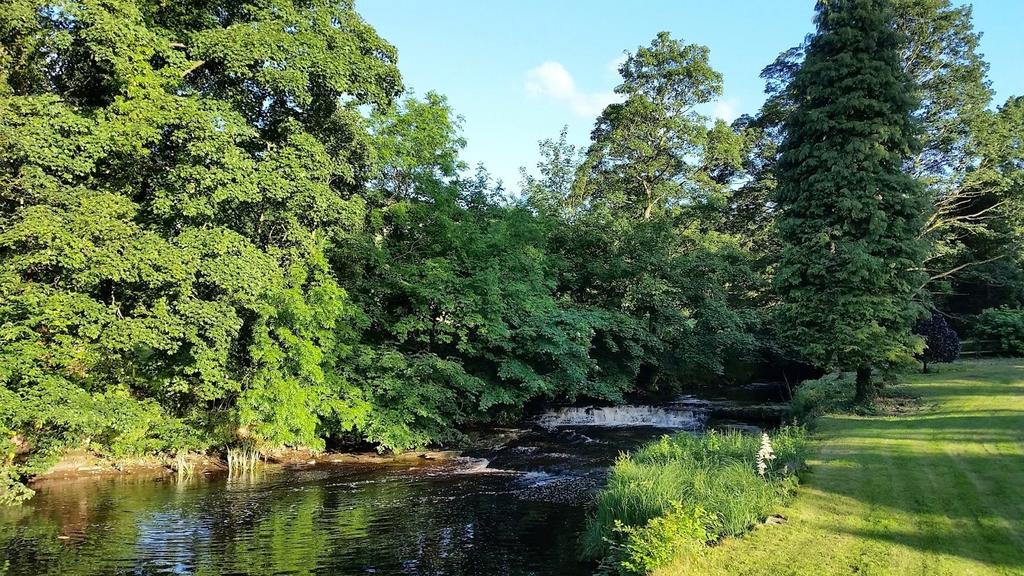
{"points": [[518, 514], [515, 509]]}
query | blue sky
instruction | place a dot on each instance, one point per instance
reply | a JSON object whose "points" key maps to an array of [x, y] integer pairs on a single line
{"points": [[517, 71]]}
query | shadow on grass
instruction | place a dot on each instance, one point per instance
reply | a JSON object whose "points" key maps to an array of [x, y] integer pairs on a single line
{"points": [[948, 480], [1001, 552], [968, 506], [1004, 427]]}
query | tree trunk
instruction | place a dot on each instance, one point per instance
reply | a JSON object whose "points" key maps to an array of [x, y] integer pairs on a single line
{"points": [[649, 204], [864, 387], [924, 367]]}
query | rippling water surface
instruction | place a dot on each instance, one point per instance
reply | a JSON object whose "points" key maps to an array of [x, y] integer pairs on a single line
{"points": [[513, 509], [519, 513]]}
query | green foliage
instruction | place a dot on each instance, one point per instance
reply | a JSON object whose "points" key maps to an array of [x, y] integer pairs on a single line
{"points": [[52, 415], [299, 344], [1004, 327], [12, 490], [850, 218], [681, 287], [463, 304], [416, 400], [681, 479], [640, 550], [642, 230], [654, 152], [416, 144], [830, 394], [172, 178], [550, 193], [968, 159]]}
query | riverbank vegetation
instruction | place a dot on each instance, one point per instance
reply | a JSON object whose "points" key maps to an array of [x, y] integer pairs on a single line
{"points": [[227, 226], [674, 496]]}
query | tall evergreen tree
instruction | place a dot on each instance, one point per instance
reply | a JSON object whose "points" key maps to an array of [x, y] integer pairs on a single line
{"points": [[850, 217], [974, 258]]}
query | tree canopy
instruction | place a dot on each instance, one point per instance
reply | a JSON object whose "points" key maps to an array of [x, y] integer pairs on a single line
{"points": [[226, 223]]}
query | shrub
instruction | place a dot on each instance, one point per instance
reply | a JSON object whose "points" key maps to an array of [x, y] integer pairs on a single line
{"points": [[829, 394], [56, 415], [12, 490], [942, 344], [1004, 327], [642, 549], [677, 478]]}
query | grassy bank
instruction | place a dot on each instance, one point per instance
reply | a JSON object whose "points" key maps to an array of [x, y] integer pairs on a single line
{"points": [[938, 491], [674, 496]]}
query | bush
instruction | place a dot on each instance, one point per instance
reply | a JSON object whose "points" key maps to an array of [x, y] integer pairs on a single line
{"points": [[654, 495], [1004, 327], [12, 490], [942, 344], [643, 549], [56, 415], [829, 394]]}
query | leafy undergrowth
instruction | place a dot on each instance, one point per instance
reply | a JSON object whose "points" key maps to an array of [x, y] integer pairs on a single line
{"points": [[676, 495], [834, 394], [937, 491]]}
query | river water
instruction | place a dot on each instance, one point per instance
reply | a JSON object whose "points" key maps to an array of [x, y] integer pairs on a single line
{"points": [[514, 505]]}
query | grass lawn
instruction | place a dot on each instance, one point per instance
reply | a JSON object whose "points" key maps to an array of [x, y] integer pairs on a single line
{"points": [[937, 491]]}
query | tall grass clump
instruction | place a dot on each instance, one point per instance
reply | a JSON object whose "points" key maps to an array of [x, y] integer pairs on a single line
{"points": [[681, 492], [243, 458]]}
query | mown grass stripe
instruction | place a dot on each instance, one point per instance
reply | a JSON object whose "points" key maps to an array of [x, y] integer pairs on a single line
{"points": [[940, 492]]}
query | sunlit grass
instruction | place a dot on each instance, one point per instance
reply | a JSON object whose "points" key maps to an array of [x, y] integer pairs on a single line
{"points": [[939, 491]]}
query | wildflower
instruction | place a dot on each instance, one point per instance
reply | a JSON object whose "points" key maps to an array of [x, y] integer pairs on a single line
{"points": [[764, 455]]}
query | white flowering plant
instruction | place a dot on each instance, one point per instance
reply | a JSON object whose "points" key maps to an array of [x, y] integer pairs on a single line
{"points": [[765, 455]]}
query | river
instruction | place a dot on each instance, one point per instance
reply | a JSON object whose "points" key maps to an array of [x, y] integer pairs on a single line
{"points": [[514, 505]]}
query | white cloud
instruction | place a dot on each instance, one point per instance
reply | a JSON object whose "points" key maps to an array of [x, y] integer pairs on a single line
{"points": [[552, 81], [726, 109]]}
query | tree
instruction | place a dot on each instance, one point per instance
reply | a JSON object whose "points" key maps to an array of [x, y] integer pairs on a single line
{"points": [[973, 247], [849, 216], [649, 153], [647, 237], [941, 342], [980, 255], [416, 143], [550, 193], [172, 177]]}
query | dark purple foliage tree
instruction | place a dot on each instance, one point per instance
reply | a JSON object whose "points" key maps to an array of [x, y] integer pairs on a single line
{"points": [[942, 344]]}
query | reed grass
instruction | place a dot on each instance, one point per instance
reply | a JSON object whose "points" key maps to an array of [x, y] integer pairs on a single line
{"points": [[243, 458], [183, 467]]}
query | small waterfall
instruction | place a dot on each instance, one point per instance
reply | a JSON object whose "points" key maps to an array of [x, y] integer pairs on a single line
{"points": [[624, 416]]}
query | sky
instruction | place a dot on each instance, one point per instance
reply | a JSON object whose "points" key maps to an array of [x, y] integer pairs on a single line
{"points": [[517, 71]]}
